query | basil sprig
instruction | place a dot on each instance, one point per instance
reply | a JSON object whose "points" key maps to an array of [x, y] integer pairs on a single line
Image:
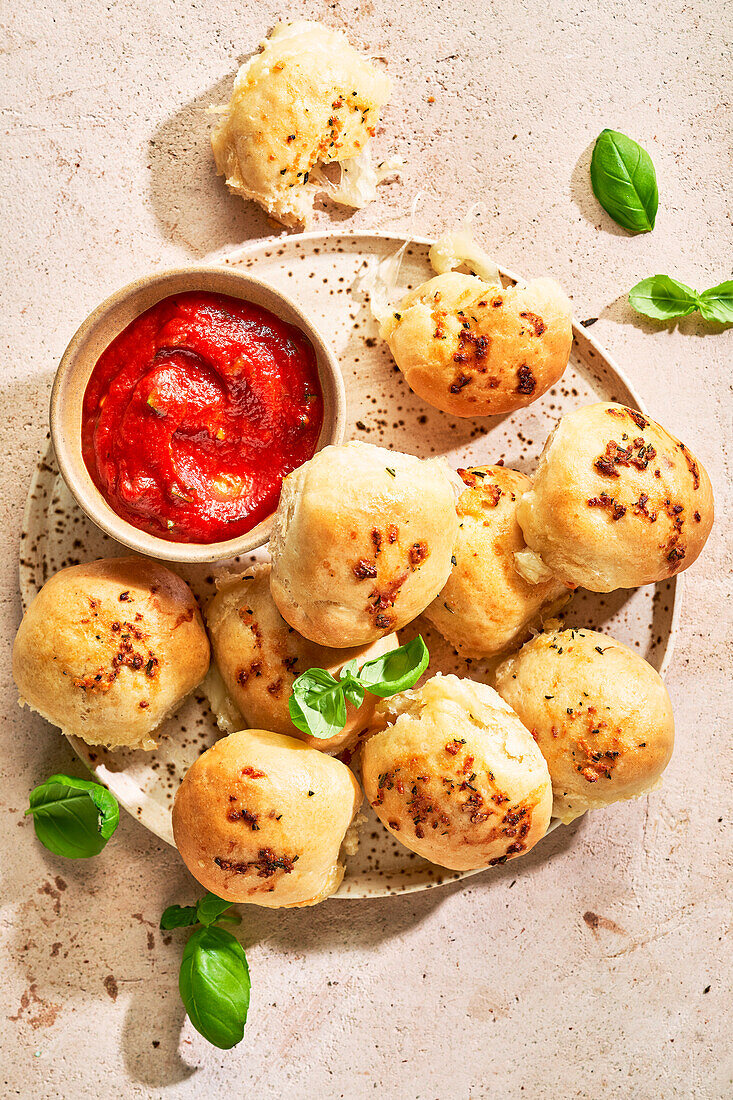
{"points": [[665, 299], [318, 703], [73, 817], [214, 977], [624, 181]]}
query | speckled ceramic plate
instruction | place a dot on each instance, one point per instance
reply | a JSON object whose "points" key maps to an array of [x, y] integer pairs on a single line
{"points": [[322, 272]]}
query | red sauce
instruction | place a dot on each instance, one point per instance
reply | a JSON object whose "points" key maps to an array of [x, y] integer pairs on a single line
{"points": [[195, 413]]}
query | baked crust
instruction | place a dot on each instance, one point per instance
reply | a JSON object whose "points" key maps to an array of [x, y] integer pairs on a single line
{"points": [[473, 349], [616, 501], [262, 818], [599, 712], [108, 649], [454, 775]]}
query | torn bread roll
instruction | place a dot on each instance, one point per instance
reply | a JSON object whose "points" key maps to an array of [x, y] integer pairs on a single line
{"points": [[308, 99]]}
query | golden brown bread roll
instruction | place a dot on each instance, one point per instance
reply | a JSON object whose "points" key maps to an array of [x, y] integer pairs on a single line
{"points": [[600, 714], [486, 605], [362, 542], [259, 657], [473, 349], [109, 649], [261, 818], [616, 501], [307, 99], [454, 775]]}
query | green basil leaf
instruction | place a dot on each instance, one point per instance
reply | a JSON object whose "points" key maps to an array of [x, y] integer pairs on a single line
{"points": [[73, 817], [317, 705], [214, 985], [210, 907], [353, 690], [716, 304], [397, 670], [663, 298], [624, 181], [350, 669], [179, 916]]}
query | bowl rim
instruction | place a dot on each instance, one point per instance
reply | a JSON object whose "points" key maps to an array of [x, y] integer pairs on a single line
{"points": [[68, 451]]}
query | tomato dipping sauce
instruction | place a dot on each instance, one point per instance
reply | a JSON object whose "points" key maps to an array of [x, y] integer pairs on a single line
{"points": [[194, 414]]}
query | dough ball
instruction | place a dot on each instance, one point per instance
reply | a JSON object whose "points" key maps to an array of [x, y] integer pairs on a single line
{"points": [[486, 604], [599, 713], [454, 775], [306, 100], [107, 650], [616, 501], [261, 818], [362, 542], [473, 349], [259, 656]]}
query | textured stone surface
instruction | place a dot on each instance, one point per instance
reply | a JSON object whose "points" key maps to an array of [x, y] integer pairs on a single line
{"points": [[598, 965]]}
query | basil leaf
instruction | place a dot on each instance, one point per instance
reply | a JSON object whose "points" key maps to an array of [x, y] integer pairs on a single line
{"points": [[663, 298], [73, 817], [624, 181], [214, 985], [716, 304], [353, 690], [350, 669], [397, 670], [210, 907], [179, 916], [317, 705]]}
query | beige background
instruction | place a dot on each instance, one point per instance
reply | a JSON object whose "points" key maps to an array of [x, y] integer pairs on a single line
{"points": [[598, 966]]}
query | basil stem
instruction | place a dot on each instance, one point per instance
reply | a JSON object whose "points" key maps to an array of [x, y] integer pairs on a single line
{"points": [[317, 705]]}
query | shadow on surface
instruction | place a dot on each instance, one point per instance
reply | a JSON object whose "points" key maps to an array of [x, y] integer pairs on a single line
{"points": [[582, 195], [622, 313], [192, 204]]}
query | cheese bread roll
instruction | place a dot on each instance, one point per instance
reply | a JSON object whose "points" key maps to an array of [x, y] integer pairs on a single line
{"points": [[107, 650], [454, 775], [487, 604], [599, 712], [259, 657], [361, 543], [262, 818], [472, 349], [616, 501], [307, 99]]}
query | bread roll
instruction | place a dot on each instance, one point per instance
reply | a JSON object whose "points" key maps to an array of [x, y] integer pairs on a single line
{"points": [[307, 99], [486, 604], [454, 775], [600, 714], [259, 657], [362, 542], [473, 349], [261, 818], [109, 649], [616, 501]]}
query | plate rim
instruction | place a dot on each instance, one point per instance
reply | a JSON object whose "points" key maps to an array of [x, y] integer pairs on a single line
{"points": [[231, 254]]}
